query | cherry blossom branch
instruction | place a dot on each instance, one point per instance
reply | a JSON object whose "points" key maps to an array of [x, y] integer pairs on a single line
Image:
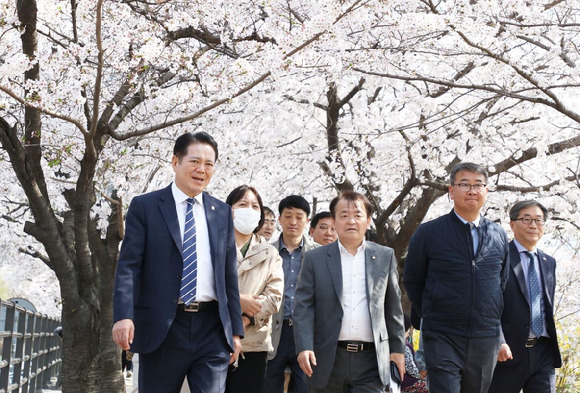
{"points": [[525, 190], [501, 92], [50, 113], [157, 127], [99, 75]]}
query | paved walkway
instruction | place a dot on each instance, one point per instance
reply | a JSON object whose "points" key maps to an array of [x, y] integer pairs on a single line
{"points": [[128, 387]]}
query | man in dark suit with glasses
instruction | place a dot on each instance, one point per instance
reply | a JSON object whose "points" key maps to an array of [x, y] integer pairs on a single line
{"points": [[529, 350]]}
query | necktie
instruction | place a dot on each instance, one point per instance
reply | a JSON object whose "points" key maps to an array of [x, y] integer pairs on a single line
{"points": [[189, 277], [536, 319], [474, 236]]}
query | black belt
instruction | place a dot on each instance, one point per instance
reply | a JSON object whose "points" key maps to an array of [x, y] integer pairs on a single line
{"points": [[356, 346], [288, 322], [197, 306], [532, 342]]}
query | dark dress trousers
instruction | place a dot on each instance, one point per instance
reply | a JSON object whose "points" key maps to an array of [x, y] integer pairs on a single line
{"points": [[532, 368]]}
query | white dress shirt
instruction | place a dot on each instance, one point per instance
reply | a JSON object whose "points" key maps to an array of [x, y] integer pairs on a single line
{"points": [[356, 321], [205, 277]]}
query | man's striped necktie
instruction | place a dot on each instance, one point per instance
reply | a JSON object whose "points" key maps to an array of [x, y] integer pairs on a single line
{"points": [[189, 277]]}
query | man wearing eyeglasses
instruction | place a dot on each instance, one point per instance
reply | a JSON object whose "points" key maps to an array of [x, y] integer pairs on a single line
{"points": [[455, 272], [529, 351], [322, 229]]}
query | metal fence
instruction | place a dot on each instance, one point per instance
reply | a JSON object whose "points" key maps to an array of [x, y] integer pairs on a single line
{"points": [[30, 351]]}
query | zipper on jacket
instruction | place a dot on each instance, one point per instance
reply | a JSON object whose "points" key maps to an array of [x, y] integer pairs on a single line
{"points": [[472, 303]]}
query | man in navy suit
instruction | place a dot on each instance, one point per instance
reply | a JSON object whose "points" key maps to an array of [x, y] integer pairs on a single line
{"points": [[529, 350], [178, 334]]}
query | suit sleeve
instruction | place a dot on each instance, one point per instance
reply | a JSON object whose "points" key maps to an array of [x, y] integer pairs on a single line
{"points": [[232, 290], [394, 310], [130, 261], [553, 272], [505, 270], [415, 272], [304, 309]]}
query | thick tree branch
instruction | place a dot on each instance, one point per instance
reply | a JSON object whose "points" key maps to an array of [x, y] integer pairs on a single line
{"points": [[137, 99], [157, 127], [529, 189], [211, 39], [55, 115], [532, 152], [501, 92], [36, 254], [407, 188]]}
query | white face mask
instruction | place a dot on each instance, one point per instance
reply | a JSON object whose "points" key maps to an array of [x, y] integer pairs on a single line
{"points": [[246, 220]]}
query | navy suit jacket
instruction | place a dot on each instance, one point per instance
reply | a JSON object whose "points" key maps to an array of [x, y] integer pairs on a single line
{"points": [[150, 266], [515, 319]]}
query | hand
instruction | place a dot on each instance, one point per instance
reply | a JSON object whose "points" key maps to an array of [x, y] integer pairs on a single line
{"points": [[307, 360], [505, 353], [250, 304], [399, 359], [123, 333], [423, 374], [246, 321], [237, 348]]}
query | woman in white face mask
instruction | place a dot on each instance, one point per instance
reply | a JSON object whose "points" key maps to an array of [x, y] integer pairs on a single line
{"points": [[261, 284]]}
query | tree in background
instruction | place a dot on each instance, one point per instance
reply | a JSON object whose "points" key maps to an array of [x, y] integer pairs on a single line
{"points": [[83, 86], [303, 97]]}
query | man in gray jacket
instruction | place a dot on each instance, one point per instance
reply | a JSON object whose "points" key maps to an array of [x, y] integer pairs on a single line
{"points": [[348, 317]]}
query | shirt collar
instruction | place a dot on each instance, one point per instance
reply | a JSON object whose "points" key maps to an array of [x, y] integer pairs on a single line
{"points": [[181, 197], [463, 220], [283, 246], [360, 248]]}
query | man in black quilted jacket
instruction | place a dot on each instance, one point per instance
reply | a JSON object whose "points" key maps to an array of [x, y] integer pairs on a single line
{"points": [[455, 273]]}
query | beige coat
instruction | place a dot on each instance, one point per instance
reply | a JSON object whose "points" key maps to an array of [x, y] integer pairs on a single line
{"points": [[260, 273]]}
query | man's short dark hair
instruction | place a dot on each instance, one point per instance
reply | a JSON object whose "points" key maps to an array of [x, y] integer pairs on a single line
{"points": [[238, 193], [318, 217], [267, 210], [352, 197], [468, 167], [295, 201], [521, 205], [184, 141]]}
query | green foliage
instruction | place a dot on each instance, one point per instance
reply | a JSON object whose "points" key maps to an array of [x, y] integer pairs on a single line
{"points": [[568, 377]]}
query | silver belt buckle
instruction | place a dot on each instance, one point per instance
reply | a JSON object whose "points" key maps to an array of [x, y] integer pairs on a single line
{"points": [[350, 347], [192, 307], [290, 322]]}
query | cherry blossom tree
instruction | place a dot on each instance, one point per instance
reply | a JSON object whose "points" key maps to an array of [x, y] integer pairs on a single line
{"points": [[303, 97]]}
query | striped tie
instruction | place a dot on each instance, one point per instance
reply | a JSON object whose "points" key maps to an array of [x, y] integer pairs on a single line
{"points": [[189, 277], [536, 318]]}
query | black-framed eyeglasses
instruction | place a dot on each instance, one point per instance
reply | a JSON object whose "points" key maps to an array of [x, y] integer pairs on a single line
{"points": [[527, 221], [465, 187]]}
